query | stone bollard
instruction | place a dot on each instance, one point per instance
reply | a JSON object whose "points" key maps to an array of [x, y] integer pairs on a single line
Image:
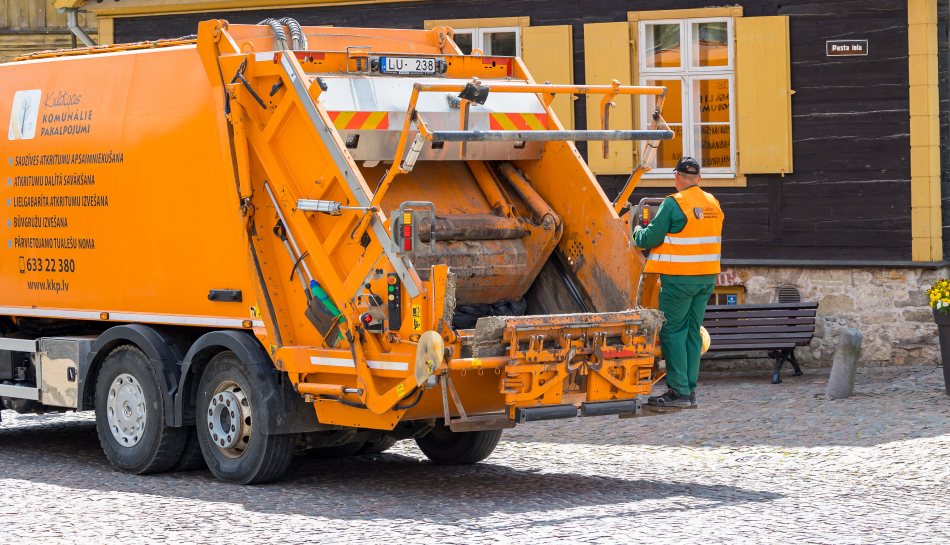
{"points": [[841, 381]]}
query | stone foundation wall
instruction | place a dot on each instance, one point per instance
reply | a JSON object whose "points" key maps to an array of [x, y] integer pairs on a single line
{"points": [[889, 307]]}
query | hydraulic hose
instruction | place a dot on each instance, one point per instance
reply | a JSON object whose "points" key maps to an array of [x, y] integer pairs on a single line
{"points": [[346, 402], [299, 40], [415, 402], [278, 32]]}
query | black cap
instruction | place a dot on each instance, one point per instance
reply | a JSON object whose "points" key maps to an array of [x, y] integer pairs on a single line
{"points": [[687, 165]]}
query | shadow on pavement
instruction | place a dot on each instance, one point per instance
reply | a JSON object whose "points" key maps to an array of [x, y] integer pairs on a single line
{"points": [[387, 486], [746, 410]]}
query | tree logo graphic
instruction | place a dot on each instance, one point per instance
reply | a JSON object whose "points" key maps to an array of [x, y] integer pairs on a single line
{"points": [[26, 109]]}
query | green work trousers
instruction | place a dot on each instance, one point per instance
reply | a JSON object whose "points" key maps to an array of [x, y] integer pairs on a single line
{"points": [[683, 307]]}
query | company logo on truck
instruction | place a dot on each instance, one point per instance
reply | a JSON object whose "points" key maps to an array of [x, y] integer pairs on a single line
{"points": [[26, 109], [64, 122]]}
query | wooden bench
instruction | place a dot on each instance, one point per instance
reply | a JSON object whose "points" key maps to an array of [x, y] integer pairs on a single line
{"points": [[776, 328]]}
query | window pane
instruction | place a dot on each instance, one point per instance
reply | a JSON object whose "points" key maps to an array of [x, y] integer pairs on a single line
{"points": [[711, 100], [500, 43], [710, 44], [713, 145], [663, 46], [464, 41], [669, 152], [672, 105]]}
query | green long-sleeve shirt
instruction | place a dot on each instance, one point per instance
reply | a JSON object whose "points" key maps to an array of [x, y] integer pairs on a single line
{"points": [[669, 219]]}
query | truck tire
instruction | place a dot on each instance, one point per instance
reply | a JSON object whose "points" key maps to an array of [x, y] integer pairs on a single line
{"points": [[443, 446], [230, 401], [377, 447], [191, 456], [130, 415]]}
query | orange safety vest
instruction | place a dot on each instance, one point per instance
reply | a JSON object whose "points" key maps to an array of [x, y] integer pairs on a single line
{"points": [[696, 249]]}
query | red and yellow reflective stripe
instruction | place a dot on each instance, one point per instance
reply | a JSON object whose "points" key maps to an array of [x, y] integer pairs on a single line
{"points": [[360, 120], [518, 122]]}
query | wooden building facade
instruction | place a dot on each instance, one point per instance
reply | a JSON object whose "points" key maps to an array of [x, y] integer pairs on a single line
{"points": [[35, 25], [817, 159]]}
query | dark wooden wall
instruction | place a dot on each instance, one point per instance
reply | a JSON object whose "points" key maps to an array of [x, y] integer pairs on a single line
{"points": [[849, 195]]}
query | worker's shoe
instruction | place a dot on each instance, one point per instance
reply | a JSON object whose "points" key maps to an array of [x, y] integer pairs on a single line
{"points": [[692, 400], [669, 399]]}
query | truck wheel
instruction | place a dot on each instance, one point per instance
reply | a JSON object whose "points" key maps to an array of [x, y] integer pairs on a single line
{"points": [[443, 446], [231, 402], [130, 415], [376, 447]]}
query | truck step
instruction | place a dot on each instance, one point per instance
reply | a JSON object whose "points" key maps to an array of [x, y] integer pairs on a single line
{"points": [[604, 408], [544, 412]]}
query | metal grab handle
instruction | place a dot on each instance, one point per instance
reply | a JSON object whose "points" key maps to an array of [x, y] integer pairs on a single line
{"points": [[607, 108]]}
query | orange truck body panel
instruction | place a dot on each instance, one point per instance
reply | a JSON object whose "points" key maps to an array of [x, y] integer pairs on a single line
{"points": [[176, 198], [125, 161]]}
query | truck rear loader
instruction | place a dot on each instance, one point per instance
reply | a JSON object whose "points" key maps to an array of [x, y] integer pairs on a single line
{"points": [[265, 239]]}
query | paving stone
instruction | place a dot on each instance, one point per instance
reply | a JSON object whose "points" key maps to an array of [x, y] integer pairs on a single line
{"points": [[756, 463]]}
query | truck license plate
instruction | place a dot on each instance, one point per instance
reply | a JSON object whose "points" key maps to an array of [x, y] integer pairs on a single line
{"points": [[407, 65]]}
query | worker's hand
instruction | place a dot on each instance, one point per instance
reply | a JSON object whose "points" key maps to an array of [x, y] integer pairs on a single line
{"points": [[633, 237]]}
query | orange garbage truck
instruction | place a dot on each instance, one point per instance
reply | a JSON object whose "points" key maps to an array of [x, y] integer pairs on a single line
{"points": [[275, 238]]}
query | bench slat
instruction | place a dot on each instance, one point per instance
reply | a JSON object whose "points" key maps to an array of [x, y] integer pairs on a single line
{"points": [[761, 342], [773, 322], [760, 329], [772, 335], [751, 346], [771, 306], [759, 314]]}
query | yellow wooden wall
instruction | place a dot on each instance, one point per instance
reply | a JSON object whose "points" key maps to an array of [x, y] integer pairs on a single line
{"points": [[926, 225], [35, 25]]}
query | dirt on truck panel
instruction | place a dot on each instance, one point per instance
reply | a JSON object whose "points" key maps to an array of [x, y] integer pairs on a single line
{"points": [[255, 242]]}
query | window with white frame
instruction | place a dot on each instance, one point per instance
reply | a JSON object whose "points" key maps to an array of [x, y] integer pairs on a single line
{"points": [[700, 85], [500, 41]]}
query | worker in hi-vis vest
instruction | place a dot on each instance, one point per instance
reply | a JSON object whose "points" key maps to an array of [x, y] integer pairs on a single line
{"points": [[684, 239]]}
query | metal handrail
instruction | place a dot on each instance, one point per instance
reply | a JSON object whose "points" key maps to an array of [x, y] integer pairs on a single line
{"points": [[545, 136]]}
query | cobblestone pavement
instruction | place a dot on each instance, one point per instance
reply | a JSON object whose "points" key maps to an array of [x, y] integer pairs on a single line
{"points": [[756, 463]]}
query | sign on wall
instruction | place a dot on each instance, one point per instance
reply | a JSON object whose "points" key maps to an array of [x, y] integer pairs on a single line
{"points": [[846, 48]]}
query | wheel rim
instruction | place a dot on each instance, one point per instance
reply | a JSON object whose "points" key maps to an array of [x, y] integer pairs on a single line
{"points": [[127, 410], [229, 419]]}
